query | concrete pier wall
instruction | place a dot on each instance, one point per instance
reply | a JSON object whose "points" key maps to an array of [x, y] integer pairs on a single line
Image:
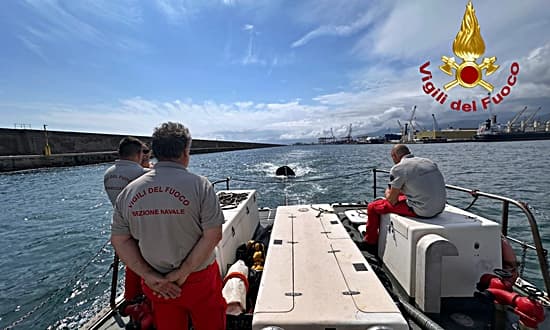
{"points": [[16, 142], [22, 149], [26, 162]]}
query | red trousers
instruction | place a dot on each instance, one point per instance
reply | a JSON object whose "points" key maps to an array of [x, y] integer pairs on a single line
{"points": [[201, 299], [132, 285], [382, 206]]}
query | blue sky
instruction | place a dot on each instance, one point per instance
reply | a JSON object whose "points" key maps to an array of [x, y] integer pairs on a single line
{"points": [[280, 71]]}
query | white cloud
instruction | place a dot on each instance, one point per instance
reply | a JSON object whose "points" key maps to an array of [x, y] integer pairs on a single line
{"points": [[61, 22], [372, 107], [385, 93], [33, 47], [253, 56], [175, 11], [536, 66], [392, 42], [343, 30], [333, 13], [251, 3], [65, 23], [244, 105], [128, 12], [422, 28]]}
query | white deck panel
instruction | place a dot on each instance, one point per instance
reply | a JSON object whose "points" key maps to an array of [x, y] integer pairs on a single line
{"points": [[332, 227], [328, 282]]}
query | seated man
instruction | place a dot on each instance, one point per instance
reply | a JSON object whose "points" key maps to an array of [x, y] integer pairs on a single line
{"points": [[416, 189]]}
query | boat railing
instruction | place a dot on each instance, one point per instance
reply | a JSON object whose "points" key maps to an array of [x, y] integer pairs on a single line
{"points": [[226, 180], [506, 202]]}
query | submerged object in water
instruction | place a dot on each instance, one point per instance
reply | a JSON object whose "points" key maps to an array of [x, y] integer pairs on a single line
{"points": [[285, 170]]}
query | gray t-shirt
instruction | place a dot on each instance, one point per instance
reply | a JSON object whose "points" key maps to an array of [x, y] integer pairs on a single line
{"points": [[167, 210], [423, 184], [119, 175]]}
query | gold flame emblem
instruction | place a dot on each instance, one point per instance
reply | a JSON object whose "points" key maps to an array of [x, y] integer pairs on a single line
{"points": [[469, 46]]}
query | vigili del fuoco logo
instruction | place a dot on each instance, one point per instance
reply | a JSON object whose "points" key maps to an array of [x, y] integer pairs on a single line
{"points": [[469, 47]]}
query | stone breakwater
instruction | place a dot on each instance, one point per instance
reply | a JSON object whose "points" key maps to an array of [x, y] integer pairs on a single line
{"points": [[22, 149]]}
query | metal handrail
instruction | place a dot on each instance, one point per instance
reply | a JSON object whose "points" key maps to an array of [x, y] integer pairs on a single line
{"points": [[541, 252], [114, 282], [226, 180]]}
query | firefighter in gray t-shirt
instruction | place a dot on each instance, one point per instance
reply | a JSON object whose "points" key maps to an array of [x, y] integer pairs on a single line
{"points": [[131, 152], [417, 188], [165, 227]]}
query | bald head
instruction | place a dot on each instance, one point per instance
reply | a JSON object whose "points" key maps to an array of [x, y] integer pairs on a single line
{"points": [[398, 151]]}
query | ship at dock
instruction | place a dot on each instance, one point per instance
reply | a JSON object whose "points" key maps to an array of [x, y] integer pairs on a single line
{"points": [[528, 129]]}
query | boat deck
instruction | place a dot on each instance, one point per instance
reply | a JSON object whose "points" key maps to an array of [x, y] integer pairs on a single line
{"points": [[457, 313]]}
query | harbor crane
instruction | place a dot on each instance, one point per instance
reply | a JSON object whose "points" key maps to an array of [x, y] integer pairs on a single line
{"points": [[408, 135], [327, 139], [510, 124], [532, 116], [401, 129], [347, 138], [418, 126], [435, 126], [524, 124], [412, 117]]}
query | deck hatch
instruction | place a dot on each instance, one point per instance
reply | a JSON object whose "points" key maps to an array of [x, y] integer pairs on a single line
{"points": [[360, 267]]}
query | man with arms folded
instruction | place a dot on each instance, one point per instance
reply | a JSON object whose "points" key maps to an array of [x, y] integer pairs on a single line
{"points": [[131, 151], [165, 228], [416, 189]]}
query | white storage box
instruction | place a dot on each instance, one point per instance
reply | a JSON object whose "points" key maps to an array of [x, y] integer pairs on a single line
{"points": [[238, 228], [477, 240], [316, 278]]}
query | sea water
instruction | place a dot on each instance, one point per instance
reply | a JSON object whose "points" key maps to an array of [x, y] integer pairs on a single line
{"points": [[55, 223]]}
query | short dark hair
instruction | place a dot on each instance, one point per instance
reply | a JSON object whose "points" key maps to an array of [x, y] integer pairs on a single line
{"points": [[401, 150], [170, 140], [129, 147]]}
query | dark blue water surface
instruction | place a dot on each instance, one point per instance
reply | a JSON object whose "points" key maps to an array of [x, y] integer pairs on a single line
{"points": [[54, 223]]}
